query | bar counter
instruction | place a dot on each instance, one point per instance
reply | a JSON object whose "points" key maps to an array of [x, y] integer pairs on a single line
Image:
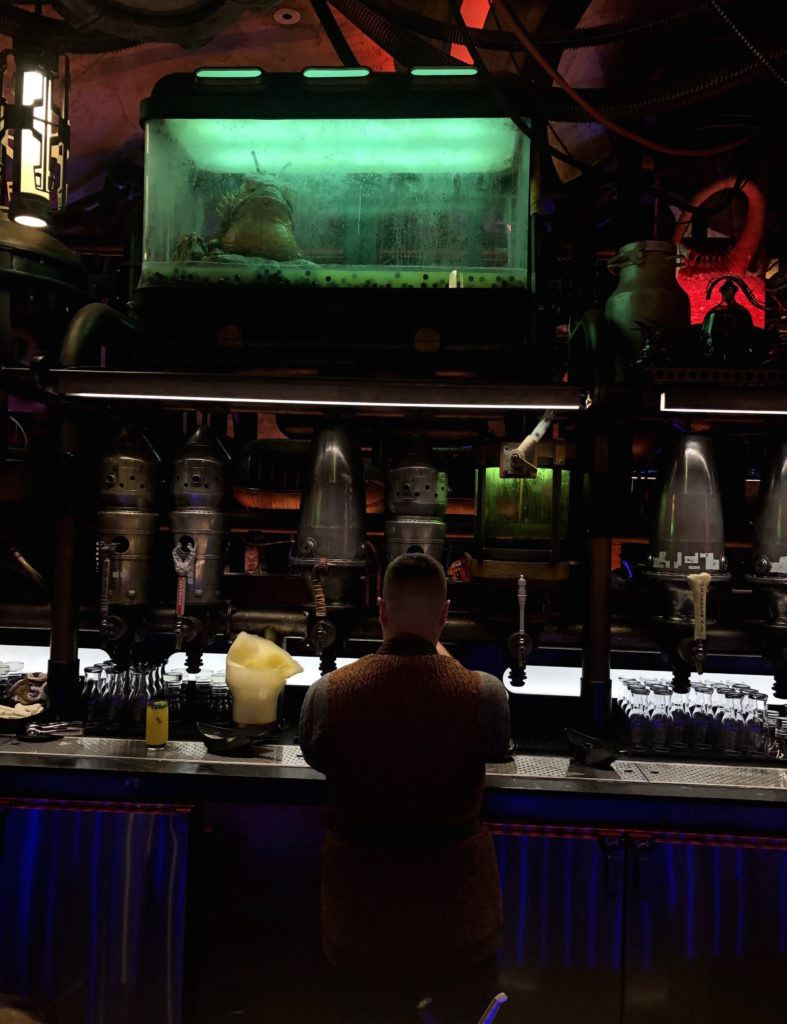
{"points": [[181, 887], [738, 783]]}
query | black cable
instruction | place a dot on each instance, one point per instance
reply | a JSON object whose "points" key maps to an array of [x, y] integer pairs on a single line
{"points": [[334, 34], [725, 17], [531, 92], [665, 98], [598, 35], [488, 39], [503, 102], [402, 45]]}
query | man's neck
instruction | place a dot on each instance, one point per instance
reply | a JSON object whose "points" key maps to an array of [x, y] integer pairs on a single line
{"points": [[408, 634]]}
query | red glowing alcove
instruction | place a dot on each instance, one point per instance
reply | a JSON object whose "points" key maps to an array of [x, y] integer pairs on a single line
{"points": [[699, 268]]}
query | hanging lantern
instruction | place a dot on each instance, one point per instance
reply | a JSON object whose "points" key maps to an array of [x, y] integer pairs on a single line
{"points": [[34, 135]]}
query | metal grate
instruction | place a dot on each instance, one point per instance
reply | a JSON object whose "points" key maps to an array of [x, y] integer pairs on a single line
{"points": [[179, 751], [654, 773], [529, 766], [738, 776]]}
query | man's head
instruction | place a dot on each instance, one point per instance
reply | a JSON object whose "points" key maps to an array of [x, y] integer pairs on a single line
{"points": [[413, 598]]}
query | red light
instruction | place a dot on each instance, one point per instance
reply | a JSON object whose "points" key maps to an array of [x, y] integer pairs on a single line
{"points": [[702, 268], [474, 14], [695, 284]]}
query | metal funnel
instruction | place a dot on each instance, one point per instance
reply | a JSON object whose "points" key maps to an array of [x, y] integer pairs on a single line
{"points": [[688, 535], [769, 548], [333, 502]]}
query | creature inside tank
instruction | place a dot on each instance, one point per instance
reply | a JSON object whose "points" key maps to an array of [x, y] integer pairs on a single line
{"points": [[368, 190]]}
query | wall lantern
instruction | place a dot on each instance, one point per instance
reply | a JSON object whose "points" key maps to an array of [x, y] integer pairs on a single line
{"points": [[34, 134]]}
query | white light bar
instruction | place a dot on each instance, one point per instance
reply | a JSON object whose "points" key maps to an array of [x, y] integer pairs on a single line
{"points": [[357, 403], [732, 410]]}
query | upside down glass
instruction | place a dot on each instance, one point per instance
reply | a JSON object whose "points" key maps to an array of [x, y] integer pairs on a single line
{"points": [[660, 718], [702, 715], [637, 715]]}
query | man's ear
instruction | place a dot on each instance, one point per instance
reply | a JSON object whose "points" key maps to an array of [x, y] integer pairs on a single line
{"points": [[444, 613], [383, 608]]}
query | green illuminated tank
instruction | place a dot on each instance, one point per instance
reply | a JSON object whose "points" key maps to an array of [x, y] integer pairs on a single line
{"points": [[519, 517], [269, 183]]}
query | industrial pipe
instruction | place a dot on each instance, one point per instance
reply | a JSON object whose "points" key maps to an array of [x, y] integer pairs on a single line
{"points": [[86, 327]]}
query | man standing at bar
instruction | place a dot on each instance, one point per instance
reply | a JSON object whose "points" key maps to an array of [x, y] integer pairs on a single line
{"points": [[411, 901]]}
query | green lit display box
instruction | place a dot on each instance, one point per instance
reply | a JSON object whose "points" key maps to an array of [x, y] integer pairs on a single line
{"points": [[362, 193], [526, 518]]}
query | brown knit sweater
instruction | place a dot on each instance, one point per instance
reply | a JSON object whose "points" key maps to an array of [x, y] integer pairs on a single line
{"points": [[410, 883]]}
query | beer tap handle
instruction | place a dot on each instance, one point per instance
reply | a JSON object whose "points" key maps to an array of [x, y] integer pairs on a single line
{"points": [[698, 585], [520, 644], [183, 559]]}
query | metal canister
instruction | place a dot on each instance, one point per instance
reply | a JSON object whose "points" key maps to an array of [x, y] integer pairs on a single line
{"points": [[648, 291], [206, 530], [127, 527], [416, 498], [127, 537], [127, 474], [407, 534]]}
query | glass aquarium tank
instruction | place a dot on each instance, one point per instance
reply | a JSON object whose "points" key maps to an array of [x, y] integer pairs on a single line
{"points": [[332, 180]]}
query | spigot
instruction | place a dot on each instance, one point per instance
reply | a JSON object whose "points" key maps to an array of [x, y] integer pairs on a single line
{"points": [[520, 644], [693, 650], [323, 636]]}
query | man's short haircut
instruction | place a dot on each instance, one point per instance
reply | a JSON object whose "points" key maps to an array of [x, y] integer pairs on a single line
{"points": [[415, 573]]}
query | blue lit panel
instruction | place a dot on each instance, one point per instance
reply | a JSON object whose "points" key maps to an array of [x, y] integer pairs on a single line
{"points": [[92, 907], [561, 926]]}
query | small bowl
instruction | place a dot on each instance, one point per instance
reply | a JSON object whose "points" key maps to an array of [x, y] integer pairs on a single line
{"points": [[228, 741]]}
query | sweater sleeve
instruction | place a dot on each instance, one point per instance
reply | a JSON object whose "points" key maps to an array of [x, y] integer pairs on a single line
{"points": [[313, 726], [496, 722]]}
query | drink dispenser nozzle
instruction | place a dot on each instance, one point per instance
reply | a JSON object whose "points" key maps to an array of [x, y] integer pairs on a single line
{"points": [[520, 644], [693, 650]]}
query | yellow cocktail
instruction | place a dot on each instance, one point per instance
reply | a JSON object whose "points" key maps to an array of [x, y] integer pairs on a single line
{"points": [[157, 724]]}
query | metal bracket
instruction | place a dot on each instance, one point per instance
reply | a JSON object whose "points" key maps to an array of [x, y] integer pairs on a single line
{"points": [[614, 848], [642, 848]]}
